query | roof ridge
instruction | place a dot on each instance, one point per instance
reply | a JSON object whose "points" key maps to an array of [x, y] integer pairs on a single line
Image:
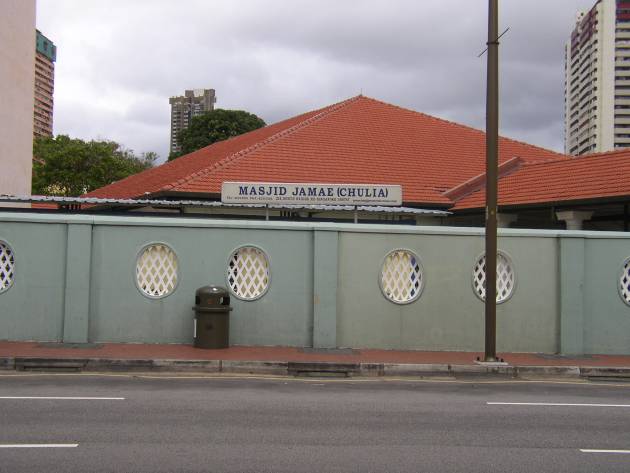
{"points": [[450, 122], [245, 151], [546, 161], [570, 159], [601, 153], [478, 182]]}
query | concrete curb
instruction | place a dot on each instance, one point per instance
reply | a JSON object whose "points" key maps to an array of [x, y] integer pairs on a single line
{"points": [[293, 368], [400, 369], [573, 372], [254, 367], [605, 372]]}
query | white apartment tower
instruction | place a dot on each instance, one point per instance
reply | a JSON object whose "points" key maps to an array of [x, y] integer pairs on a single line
{"points": [[184, 108], [597, 80]]}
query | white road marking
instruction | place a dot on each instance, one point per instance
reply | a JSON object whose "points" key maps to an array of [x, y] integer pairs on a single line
{"points": [[39, 445], [587, 450], [554, 404], [65, 398]]}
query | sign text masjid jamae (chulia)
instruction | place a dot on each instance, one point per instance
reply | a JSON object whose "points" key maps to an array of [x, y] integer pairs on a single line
{"points": [[310, 194]]}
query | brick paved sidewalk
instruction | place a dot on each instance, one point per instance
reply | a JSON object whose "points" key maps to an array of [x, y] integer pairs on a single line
{"points": [[286, 354]]}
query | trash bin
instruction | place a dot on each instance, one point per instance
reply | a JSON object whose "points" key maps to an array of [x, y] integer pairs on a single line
{"points": [[212, 317]]}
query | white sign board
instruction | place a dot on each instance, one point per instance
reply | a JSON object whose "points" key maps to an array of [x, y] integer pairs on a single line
{"points": [[310, 194]]}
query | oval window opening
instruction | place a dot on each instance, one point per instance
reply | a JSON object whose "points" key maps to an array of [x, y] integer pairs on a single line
{"points": [[402, 278], [248, 273], [157, 270], [505, 277]]}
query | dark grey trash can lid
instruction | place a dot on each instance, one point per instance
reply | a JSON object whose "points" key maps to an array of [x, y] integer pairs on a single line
{"points": [[216, 297], [215, 291]]}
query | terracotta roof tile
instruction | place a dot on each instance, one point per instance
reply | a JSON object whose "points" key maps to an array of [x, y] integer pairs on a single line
{"points": [[44, 205], [588, 177], [360, 140], [168, 174]]}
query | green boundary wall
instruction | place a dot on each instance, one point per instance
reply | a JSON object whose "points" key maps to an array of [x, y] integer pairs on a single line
{"points": [[74, 281]]}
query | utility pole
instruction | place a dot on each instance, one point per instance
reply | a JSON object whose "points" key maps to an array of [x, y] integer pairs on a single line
{"points": [[492, 151]]}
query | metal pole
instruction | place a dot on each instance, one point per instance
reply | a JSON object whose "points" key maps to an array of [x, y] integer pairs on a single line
{"points": [[492, 151]]}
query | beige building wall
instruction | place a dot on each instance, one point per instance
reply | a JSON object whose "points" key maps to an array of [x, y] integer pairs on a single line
{"points": [[17, 63]]}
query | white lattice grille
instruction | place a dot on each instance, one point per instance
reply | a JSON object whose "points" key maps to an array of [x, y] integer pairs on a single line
{"points": [[248, 273], [401, 276], [624, 282], [7, 266], [156, 270], [505, 278]]}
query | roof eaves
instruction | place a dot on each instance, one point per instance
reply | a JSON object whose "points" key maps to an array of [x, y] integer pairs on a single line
{"points": [[535, 204]]}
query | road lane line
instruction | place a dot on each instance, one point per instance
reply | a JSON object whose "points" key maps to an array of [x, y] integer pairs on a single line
{"points": [[568, 404], [590, 450], [39, 445], [65, 398]]}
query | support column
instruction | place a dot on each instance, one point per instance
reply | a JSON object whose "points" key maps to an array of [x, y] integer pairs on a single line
{"points": [[325, 268], [574, 218], [571, 274], [77, 287]]}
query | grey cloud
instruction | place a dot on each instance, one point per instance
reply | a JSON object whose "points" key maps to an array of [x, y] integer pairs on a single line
{"points": [[280, 58]]}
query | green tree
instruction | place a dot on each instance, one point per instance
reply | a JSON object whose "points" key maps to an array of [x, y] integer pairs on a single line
{"points": [[67, 166], [213, 126]]}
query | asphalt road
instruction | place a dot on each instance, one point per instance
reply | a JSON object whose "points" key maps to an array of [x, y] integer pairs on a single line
{"points": [[280, 425]]}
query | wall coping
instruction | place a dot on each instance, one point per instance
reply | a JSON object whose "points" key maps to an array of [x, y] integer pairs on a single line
{"points": [[109, 220]]}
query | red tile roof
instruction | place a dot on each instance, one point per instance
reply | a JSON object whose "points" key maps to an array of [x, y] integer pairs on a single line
{"points": [[479, 182], [360, 140], [160, 177], [582, 178], [44, 205]]}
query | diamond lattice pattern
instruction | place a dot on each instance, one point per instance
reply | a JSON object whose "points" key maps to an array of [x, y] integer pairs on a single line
{"points": [[7, 266], [248, 273], [624, 282], [401, 276], [505, 278], [156, 270]]}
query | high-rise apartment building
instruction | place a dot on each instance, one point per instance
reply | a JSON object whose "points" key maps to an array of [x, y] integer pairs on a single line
{"points": [[597, 80], [45, 57], [183, 108]]}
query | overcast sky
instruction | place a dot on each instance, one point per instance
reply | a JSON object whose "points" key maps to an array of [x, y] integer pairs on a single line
{"points": [[118, 61]]}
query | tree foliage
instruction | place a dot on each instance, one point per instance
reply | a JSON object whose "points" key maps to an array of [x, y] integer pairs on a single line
{"points": [[67, 166], [213, 126]]}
